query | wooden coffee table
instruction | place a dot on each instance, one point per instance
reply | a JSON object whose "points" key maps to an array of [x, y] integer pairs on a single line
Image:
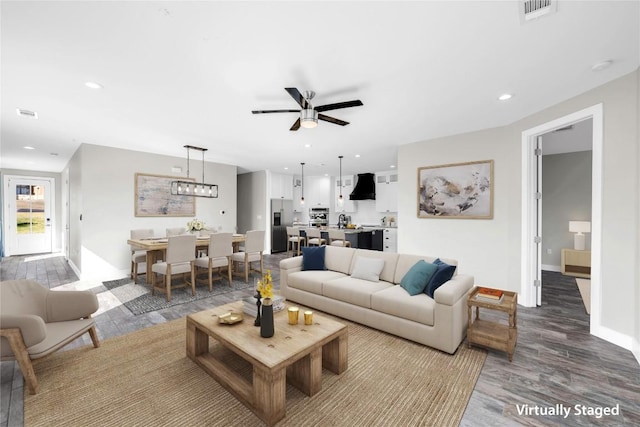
{"points": [[296, 353]]}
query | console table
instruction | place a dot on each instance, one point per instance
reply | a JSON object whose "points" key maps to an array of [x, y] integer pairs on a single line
{"points": [[576, 263]]}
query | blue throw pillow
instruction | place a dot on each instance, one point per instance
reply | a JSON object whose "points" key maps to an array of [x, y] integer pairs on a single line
{"points": [[444, 274], [418, 276], [313, 258]]}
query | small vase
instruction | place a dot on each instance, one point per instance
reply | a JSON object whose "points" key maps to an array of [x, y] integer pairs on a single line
{"points": [[257, 321], [266, 327]]}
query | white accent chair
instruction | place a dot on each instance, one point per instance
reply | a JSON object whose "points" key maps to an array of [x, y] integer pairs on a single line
{"points": [[253, 248], [338, 238], [36, 321], [314, 238], [219, 255], [181, 252], [139, 257], [294, 240]]}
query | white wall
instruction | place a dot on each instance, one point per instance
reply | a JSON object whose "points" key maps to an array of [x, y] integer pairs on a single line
{"points": [[254, 208], [490, 249], [107, 199]]}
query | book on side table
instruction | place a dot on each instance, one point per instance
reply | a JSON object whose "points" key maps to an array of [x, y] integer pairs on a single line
{"points": [[489, 295]]}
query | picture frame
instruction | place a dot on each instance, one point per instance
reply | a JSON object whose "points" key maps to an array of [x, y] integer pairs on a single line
{"points": [[457, 190], [153, 197]]}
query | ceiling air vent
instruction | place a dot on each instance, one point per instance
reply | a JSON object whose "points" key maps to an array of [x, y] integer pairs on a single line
{"points": [[533, 9], [27, 113]]}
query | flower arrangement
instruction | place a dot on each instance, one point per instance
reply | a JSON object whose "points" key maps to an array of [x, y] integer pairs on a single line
{"points": [[265, 286], [195, 225]]}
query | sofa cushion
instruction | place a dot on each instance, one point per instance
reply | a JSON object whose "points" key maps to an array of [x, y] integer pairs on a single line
{"points": [[390, 260], [353, 291], [397, 302], [311, 280], [405, 262], [338, 258], [418, 277], [367, 268], [444, 274], [313, 258]]}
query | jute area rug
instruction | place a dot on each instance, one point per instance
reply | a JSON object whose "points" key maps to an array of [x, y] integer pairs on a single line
{"points": [[145, 379]]}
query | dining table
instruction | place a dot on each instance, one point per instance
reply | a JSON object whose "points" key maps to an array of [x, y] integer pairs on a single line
{"points": [[156, 247]]}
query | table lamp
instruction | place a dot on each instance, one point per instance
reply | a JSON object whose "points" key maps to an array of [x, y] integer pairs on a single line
{"points": [[579, 227]]}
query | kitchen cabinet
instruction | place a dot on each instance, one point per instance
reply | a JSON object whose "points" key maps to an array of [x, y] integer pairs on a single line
{"points": [[366, 239], [387, 191], [347, 188], [390, 243], [281, 186], [317, 191]]}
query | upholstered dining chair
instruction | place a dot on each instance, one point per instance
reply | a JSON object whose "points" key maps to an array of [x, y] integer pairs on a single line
{"points": [[253, 248], [314, 237], [181, 254], [338, 238], [294, 239], [176, 231], [139, 257], [219, 255], [36, 321]]}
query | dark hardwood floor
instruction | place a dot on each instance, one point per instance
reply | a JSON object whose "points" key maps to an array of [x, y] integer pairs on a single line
{"points": [[557, 362]]}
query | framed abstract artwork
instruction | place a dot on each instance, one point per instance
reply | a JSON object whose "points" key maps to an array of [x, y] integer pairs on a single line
{"points": [[153, 197], [460, 190]]}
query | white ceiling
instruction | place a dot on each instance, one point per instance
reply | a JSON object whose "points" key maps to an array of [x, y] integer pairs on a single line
{"points": [[177, 73]]}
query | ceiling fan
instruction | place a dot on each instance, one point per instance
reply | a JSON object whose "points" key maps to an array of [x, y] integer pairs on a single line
{"points": [[309, 115]]}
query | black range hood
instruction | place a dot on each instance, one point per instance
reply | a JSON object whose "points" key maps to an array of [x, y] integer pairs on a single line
{"points": [[365, 187]]}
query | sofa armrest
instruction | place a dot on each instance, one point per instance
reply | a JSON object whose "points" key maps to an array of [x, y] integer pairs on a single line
{"points": [[294, 264], [450, 292], [31, 327], [70, 305]]}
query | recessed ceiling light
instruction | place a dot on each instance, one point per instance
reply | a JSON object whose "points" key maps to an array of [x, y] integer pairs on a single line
{"points": [[392, 166], [505, 96], [357, 155], [28, 147], [93, 85], [598, 66], [307, 145], [53, 154], [27, 113], [286, 168]]}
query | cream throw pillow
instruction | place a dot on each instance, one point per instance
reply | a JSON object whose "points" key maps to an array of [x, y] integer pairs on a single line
{"points": [[368, 269]]}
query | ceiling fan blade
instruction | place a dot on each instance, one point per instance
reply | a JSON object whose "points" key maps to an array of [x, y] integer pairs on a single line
{"points": [[296, 125], [338, 105], [274, 111], [332, 120], [295, 94]]}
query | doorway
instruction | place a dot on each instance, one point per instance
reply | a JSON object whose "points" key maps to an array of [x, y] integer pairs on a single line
{"points": [[531, 241], [29, 222]]}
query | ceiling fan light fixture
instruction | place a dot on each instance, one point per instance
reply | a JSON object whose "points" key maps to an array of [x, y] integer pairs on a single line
{"points": [[308, 119]]}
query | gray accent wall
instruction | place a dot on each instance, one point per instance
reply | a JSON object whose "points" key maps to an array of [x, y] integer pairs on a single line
{"points": [[566, 196], [490, 250], [252, 202]]}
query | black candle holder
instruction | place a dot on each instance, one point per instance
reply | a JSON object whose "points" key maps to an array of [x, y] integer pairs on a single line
{"points": [[258, 303]]}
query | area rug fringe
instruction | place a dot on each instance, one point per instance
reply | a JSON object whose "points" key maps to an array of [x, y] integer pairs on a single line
{"points": [[145, 379]]}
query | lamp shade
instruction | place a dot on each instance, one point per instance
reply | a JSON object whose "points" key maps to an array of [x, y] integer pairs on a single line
{"points": [[580, 226]]}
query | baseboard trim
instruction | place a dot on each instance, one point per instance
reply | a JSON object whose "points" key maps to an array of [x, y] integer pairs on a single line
{"points": [[555, 268], [74, 268], [636, 350], [615, 337]]}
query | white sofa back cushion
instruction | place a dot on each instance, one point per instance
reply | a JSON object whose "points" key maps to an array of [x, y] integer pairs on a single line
{"points": [[390, 260], [338, 258]]}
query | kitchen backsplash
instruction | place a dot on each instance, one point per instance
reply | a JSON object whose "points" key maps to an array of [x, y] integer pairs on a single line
{"points": [[365, 214]]}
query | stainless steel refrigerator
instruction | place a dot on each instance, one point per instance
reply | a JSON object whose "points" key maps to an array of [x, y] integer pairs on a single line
{"points": [[281, 218]]}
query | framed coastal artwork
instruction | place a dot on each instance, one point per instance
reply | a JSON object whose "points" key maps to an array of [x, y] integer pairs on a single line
{"points": [[459, 190], [153, 197]]}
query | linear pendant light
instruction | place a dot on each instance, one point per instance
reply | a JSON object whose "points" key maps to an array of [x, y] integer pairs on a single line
{"points": [[302, 183], [340, 198], [192, 188]]}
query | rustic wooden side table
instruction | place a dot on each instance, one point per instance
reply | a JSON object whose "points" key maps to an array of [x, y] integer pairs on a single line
{"points": [[493, 334]]}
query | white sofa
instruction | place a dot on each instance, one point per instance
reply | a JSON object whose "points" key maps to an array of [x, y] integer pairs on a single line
{"points": [[438, 322]]}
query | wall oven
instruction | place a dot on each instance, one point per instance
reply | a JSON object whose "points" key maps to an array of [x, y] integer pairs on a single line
{"points": [[319, 217]]}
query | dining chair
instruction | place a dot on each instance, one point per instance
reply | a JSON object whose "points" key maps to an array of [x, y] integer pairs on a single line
{"points": [[179, 260], [219, 255], [314, 238], [139, 257], [253, 248], [338, 238], [294, 239], [176, 231]]}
